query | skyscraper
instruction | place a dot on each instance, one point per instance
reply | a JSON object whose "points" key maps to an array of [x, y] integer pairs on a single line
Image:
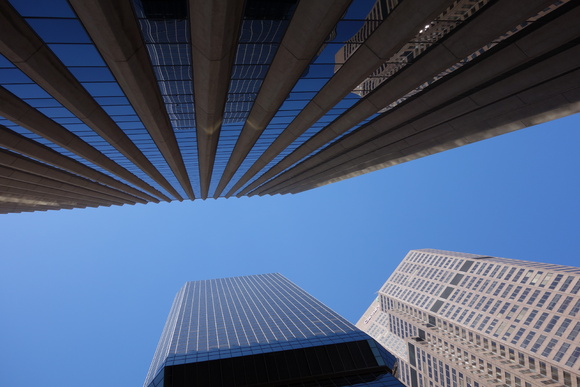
{"points": [[456, 319], [262, 330], [108, 102]]}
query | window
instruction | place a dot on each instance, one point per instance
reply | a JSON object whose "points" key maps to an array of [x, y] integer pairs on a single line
{"points": [[545, 280], [565, 304], [538, 343], [533, 297], [554, 302], [554, 372], [575, 309], [572, 360], [543, 299], [527, 340], [527, 276], [566, 283], [556, 281], [574, 333], [541, 320], [561, 352], [509, 274], [568, 379], [524, 295], [536, 277], [551, 324], [543, 370], [531, 363], [519, 334], [563, 327], [549, 347], [521, 315], [531, 317], [515, 293], [518, 275], [576, 287]]}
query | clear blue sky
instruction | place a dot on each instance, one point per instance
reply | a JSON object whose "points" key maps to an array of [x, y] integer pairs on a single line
{"points": [[84, 293]]}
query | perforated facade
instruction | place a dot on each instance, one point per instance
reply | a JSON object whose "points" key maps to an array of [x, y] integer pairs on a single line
{"points": [[456, 319]]}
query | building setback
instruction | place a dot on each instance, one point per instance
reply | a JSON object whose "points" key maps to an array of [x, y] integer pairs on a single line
{"points": [[262, 330], [466, 320], [116, 102]]}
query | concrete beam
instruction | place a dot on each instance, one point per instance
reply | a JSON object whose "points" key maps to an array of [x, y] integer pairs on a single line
{"points": [[215, 28], [396, 30], [503, 60], [22, 46], [60, 201], [17, 202], [112, 26], [19, 112], [312, 23], [490, 23], [502, 115], [20, 144], [52, 192], [45, 182], [16, 161]]}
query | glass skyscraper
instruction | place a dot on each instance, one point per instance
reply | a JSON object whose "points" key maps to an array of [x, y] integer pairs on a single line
{"points": [[466, 320], [109, 102], [263, 330]]}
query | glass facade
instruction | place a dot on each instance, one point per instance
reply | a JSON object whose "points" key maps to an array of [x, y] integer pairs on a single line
{"points": [[256, 318], [303, 103]]}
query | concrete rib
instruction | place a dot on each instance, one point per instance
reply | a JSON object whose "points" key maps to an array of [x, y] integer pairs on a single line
{"points": [[312, 23], [395, 31], [447, 126], [60, 200], [42, 181], [449, 142], [25, 146], [22, 46], [19, 112], [112, 26], [16, 161], [215, 29], [492, 22], [53, 192], [12, 202]]}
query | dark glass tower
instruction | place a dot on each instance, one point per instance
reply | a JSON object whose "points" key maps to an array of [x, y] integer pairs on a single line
{"points": [[263, 330]]}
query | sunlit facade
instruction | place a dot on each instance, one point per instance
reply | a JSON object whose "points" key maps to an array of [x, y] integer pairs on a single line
{"points": [[262, 330], [112, 102], [466, 320]]}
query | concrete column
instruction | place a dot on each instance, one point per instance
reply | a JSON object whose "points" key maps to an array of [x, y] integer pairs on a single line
{"points": [[312, 23], [22, 46], [113, 28], [438, 99], [478, 31], [18, 162], [20, 144], [215, 27], [396, 30], [45, 182]]}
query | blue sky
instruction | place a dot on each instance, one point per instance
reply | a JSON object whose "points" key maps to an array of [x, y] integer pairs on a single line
{"points": [[84, 293]]}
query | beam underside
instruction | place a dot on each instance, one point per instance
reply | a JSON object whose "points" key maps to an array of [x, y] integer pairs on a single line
{"points": [[507, 104], [22, 46], [460, 43], [312, 23], [396, 30]]}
